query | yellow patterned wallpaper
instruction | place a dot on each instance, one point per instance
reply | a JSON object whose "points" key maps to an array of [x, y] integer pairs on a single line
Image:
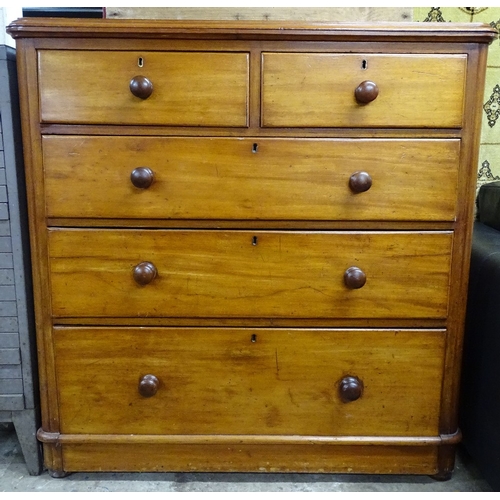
{"points": [[489, 154]]}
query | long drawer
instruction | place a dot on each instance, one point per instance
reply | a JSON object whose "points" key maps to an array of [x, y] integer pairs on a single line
{"points": [[249, 381], [187, 88], [266, 179], [319, 90], [212, 273]]}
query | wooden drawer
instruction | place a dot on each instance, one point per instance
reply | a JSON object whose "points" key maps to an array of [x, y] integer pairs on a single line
{"points": [[318, 90], [189, 88], [254, 274], [266, 179], [225, 381]]}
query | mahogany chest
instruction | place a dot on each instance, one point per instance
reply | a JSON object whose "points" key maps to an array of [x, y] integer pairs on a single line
{"points": [[250, 241]]}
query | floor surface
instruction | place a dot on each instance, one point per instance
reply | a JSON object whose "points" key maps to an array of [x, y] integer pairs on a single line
{"points": [[14, 477]]}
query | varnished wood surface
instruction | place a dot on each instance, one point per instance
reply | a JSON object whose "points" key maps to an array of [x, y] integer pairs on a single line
{"points": [[254, 178], [249, 274], [251, 458], [255, 30], [26, 54], [245, 45], [252, 131], [435, 264], [317, 90], [231, 439], [189, 88], [257, 322], [349, 225], [461, 258], [277, 382]]}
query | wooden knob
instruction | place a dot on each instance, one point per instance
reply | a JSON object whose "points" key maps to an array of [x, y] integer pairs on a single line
{"points": [[351, 388], [366, 92], [144, 273], [360, 182], [354, 277], [141, 87], [142, 177], [148, 386]]}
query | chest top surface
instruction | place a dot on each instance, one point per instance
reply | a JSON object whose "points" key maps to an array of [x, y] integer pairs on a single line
{"points": [[69, 28]]}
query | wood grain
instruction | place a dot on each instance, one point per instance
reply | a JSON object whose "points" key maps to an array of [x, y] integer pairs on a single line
{"points": [[461, 256], [254, 131], [252, 30], [251, 458], [281, 382], [28, 92], [264, 14], [258, 322], [252, 224], [317, 90], [249, 274], [240, 259], [190, 88], [253, 439], [254, 178]]}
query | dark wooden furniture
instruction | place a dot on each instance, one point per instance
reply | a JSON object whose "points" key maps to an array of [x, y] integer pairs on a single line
{"points": [[250, 241]]}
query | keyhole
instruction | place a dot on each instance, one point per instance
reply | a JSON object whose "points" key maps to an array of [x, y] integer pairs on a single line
{"points": [[253, 338], [254, 240], [255, 147], [140, 62], [364, 64]]}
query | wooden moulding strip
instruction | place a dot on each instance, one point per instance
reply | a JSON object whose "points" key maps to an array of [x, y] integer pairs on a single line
{"points": [[57, 438], [275, 30]]}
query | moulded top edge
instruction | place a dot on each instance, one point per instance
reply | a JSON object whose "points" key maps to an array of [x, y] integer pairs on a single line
{"points": [[271, 30]]}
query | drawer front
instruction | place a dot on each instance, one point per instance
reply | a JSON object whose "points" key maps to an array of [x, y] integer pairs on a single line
{"points": [[98, 273], [266, 179], [188, 88], [318, 90], [225, 381]]}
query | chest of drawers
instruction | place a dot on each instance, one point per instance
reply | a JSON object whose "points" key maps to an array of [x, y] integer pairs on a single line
{"points": [[250, 241]]}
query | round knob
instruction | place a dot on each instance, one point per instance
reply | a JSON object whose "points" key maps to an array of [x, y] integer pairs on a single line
{"points": [[142, 177], [360, 182], [144, 273], [351, 388], [354, 277], [366, 92], [148, 386], [141, 87]]}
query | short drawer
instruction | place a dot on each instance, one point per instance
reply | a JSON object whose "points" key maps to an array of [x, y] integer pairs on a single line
{"points": [[238, 179], [255, 274], [318, 90], [188, 88], [244, 381]]}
